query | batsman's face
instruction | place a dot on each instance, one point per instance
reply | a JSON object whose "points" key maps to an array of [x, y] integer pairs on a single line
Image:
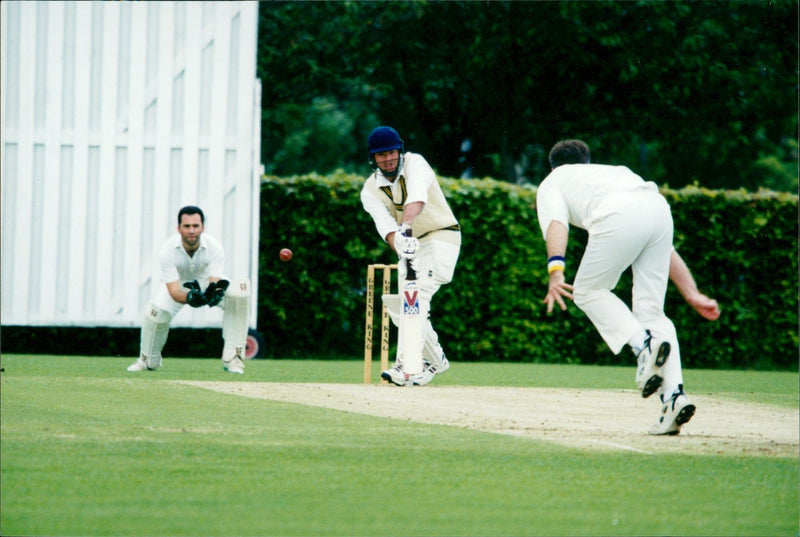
{"points": [[387, 160], [190, 228]]}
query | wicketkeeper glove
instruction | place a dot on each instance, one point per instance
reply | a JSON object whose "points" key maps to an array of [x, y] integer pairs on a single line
{"points": [[195, 298], [405, 246], [215, 292]]}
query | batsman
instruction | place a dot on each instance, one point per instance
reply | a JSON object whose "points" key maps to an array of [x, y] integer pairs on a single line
{"points": [[191, 265], [410, 211]]}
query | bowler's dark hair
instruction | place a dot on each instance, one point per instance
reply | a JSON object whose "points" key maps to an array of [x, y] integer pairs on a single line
{"points": [[191, 209], [569, 152]]}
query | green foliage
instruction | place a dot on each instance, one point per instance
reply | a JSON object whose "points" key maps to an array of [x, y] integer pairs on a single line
{"points": [[742, 248], [514, 77], [315, 304]]}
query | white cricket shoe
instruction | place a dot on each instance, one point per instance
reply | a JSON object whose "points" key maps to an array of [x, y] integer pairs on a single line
{"points": [[444, 367], [232, 359], [143, 364], [396, 375], [234, 365], [649, 362], [139, 365], [676, 411], [429, 371], [421, 379]]}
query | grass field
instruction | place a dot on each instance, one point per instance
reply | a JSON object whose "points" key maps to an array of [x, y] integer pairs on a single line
{"points": [[89, 449]]}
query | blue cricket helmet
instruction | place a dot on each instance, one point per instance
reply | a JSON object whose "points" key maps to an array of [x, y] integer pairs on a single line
{"points": [[384, 139]]}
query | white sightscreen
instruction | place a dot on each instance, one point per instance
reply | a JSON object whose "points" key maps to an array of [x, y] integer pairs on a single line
{"points": [[113, 116]]}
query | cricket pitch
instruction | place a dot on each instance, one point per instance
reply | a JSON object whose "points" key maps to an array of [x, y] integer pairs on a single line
{"points": [[586, 419]]}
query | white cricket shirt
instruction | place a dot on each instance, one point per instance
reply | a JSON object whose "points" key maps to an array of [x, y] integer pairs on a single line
{"points": [[384, 200], [175, 264], [572, 193]]}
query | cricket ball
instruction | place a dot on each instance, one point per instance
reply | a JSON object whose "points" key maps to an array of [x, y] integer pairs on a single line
{"points": [[286, 254]]}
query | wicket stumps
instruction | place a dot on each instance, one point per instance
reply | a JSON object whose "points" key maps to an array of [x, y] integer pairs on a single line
{"points": [[387, 285]]}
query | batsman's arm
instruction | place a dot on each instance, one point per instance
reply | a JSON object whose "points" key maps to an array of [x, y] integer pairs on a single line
{"points": [[681, 276]]}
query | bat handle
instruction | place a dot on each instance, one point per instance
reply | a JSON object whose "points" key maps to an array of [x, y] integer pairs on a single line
{"points": [[411, 274]]}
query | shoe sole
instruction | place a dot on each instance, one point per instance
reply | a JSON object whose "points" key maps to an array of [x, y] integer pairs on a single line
{"points": [[388, 377], [663, 353], [651, 386], [685, 414], [654, 383], [683, 417]]}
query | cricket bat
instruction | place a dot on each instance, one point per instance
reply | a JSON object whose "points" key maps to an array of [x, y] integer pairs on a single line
{"points": [[412, 321]]}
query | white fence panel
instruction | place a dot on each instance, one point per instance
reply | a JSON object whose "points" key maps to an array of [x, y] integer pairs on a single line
{"points": [[113, 115]]}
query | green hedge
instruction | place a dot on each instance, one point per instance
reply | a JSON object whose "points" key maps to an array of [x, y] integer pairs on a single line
{"points": [[741, 247]]}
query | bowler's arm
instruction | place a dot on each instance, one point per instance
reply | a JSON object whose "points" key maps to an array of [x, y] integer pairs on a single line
{"points": [[556, 238], [681, 276]]}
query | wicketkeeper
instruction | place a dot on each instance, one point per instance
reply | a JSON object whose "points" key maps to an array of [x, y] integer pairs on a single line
{"points": [[403, 197], [191, 265]]}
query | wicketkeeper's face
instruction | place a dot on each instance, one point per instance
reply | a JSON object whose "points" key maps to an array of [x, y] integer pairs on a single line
{"points": [[387, 160], [190, 228]]}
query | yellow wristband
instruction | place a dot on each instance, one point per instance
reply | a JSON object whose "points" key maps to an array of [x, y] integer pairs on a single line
{"points": [[555, 263]]}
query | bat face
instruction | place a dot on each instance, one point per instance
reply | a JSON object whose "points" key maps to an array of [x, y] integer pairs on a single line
{"points": [[411, 329]]}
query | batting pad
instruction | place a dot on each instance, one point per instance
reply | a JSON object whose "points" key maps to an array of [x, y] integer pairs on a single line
{"points": [[155, 329], [392, 305], [431, 350], [234, 321]]}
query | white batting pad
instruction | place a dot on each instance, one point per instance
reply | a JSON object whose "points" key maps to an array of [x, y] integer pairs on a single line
{"points": [[431, 350], [155, 329], [235, 319], [392, 305]]}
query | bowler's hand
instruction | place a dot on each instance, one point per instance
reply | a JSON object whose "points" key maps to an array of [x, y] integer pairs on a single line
{"points": [[557, 290], [705, 306]]}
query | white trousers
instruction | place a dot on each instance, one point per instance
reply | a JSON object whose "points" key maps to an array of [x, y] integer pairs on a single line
{"points": [[438, 260], [631, 229]]}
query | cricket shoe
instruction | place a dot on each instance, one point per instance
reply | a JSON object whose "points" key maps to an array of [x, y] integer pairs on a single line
{"points": [[234, 364], [444, 366], [429, 371], [396, 375], [675, 411], [649, 361], [421, 379], [143, 364]]}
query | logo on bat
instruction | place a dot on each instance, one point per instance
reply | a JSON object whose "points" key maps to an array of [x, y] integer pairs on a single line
{"points": [[410, 302]]}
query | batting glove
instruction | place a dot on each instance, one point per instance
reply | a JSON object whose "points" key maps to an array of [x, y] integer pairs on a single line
{"points": [[405, 246]]}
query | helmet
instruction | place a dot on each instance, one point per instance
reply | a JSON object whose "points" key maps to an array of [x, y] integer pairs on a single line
{"points": [[384, 139]]}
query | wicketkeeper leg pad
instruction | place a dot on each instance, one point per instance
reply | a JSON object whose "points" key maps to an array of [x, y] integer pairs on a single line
{"points": [[155, 329], [235, 319]]}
